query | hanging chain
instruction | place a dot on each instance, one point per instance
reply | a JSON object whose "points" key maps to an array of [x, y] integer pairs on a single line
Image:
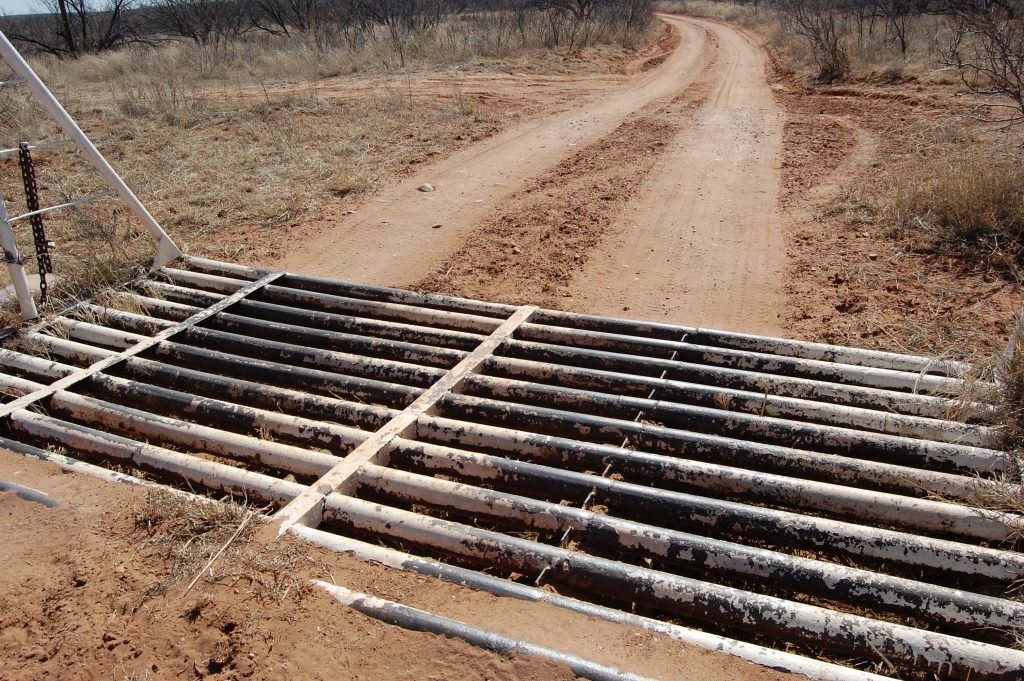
{"points": [[28, 176]]}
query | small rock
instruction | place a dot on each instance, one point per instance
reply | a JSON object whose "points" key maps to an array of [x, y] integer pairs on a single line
{"points": [[872, 256], [80, 580], [437, 226], [517, 250], [385, 222], [426, 187]]}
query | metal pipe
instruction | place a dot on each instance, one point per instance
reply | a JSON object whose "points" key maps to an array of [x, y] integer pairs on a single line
{"points": [[773, 431], [835, 501], [762, 404], [919, 601], [327, 321], [673, 442], [937, 558], [28, 494], [755, 343], [770, 429], [19, 279], [61, 206], [588, 379], [720, 465], [820, 629], [166, 249], [12, 151], [209, 474], [194, 436], [457, 321], [742, 379], [766, 657], [711, 448], [744, 359], [70, 465], [759, 488], [361, 415], [419, 620]]}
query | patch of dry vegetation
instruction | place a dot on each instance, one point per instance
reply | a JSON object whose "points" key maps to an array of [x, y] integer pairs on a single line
{"points": [[962, 197], [185, 535]]}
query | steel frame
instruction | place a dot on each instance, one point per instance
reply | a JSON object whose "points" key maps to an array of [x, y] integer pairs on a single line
{"points": [[715, 479]]}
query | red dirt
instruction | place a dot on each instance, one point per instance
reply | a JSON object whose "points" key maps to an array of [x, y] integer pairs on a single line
{"points": [[85, 595]]}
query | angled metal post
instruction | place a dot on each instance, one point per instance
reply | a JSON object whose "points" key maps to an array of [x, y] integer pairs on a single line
{"points": [[13, 259], [166, 249]]}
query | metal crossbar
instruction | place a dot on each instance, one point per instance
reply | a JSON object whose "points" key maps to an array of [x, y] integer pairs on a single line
{"points": [[137, 348], [61, 206], [13, 151]]}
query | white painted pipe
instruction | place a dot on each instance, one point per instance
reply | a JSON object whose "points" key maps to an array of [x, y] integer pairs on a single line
{"points": [[14, 266]]}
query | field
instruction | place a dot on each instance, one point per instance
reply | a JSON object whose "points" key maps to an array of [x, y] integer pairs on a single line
{"points": [[696, 173]]}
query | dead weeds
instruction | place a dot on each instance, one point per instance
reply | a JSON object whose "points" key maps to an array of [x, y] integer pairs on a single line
{"points": [[186, 535]]}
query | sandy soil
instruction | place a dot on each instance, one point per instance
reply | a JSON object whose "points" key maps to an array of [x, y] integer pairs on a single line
{"points": [[658, 199], [108, 609], [392, 238]]}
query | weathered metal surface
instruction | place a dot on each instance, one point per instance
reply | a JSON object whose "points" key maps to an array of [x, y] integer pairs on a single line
{"points": [[804, 494]]}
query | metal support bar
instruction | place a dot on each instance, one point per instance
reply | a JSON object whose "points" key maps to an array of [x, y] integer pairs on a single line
{"points": [[14, 265], [910, 599], [821, 629], [60, 206], [166, 249], [398, 560], [34, 147]]}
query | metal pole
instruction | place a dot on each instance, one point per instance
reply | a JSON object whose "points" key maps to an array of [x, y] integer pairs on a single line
{"points": [[166, 249], [14, 266], [419, 620]]}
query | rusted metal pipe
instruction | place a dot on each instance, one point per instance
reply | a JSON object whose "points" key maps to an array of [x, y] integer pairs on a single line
{"points": [[936, 558], [918, 601], [821, 629], [399, 560]]}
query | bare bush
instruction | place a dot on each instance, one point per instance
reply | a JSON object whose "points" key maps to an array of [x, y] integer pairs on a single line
{"points": [[817, 22], [988, 49]]}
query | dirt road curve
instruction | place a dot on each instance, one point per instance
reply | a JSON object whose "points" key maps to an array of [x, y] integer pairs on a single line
{"points": [[698, 244]]}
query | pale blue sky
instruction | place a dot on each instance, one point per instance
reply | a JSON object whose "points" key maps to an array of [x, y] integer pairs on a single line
{"points": [[17, 6]]}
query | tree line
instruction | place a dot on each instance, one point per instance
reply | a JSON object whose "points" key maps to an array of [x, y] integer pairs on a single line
{"points": [[70, 28]]}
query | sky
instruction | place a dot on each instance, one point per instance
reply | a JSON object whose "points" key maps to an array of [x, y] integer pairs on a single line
{"points": [[17, 6]]}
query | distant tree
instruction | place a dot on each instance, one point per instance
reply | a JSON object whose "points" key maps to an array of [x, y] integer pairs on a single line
{"points": [[201, 21], [69, 28], [988, 49]]}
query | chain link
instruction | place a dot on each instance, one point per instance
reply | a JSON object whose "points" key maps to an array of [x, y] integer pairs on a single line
{"points": [[28, 176]]}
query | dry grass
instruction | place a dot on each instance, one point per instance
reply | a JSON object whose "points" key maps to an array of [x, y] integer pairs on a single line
{"points": [[963, 196], [184, 535]]}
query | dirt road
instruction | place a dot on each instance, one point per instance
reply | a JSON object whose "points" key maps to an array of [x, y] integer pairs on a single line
{"points": [[695, 241], [702, 244]]}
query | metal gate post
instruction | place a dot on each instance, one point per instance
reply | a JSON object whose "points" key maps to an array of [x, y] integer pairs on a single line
{"points": [[166, 249], [13, 260]]}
